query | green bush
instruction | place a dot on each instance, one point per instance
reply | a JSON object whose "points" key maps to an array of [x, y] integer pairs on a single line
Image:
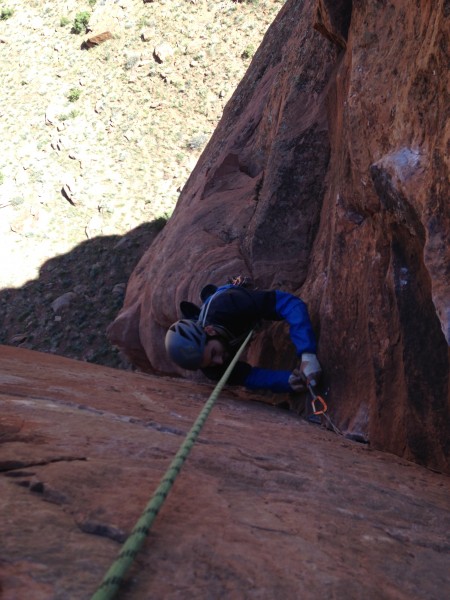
{"points": [[6, 13], [81, 22], [64, 21], [71, 115], [197, 141], [74, 95], [248, 52]]}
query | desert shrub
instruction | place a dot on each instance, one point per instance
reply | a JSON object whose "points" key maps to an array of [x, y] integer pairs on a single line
{"points": [[197, 141], [74, 95], [80, 22], [131, 62], [71, 115], [248, 52], [6, 13]]}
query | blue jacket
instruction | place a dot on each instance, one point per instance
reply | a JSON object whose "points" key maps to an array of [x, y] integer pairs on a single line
{"points": [[237, 310]]}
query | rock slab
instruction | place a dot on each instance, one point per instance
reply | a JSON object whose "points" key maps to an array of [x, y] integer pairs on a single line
{"points": [[266, 506]]}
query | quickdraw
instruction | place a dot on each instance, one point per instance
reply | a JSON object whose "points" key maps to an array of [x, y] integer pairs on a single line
{"points": [[315, 399], [323, 410]]}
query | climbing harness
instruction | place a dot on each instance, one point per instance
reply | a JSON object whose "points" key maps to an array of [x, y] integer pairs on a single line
{"points": [[116, 573], [321, 411]]}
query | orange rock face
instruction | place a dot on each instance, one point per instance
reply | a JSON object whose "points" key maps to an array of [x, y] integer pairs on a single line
{"points": [[328, 177], [266, 505]]}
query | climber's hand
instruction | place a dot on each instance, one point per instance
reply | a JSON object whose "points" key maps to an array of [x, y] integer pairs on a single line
{"points": [[310, 368], [296, 381]]}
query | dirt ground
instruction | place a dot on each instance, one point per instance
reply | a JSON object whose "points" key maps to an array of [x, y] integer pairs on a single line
{"points": [[95, 146]]}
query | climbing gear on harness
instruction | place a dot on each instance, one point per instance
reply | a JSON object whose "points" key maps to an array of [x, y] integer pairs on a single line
{"points": [[116, 573], [185, 342], [241, 281]]}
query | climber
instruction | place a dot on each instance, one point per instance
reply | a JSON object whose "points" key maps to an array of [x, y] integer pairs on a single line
{"points": [[208, 337]]}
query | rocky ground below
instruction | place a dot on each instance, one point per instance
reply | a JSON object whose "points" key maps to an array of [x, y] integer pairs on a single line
{"points": [[96, 144]]}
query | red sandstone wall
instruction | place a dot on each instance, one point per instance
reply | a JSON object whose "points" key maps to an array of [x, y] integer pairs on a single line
{"points": [[328, 176]]}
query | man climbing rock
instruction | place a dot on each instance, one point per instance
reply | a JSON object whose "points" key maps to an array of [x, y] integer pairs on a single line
{"points": [[209, 336]]}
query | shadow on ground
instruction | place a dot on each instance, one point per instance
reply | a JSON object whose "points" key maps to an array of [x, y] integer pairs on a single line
{"points": [[67, 309]]}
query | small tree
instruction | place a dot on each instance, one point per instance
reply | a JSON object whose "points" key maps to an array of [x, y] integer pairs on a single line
{"points": [[81, 22], [6, 13]]}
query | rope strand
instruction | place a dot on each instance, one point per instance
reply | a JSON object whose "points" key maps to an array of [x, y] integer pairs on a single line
{"points": [[116, 573]]}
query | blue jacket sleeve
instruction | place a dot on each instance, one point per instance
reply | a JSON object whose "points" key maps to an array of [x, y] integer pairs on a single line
{"points": [[294, 311], [266, 379]]}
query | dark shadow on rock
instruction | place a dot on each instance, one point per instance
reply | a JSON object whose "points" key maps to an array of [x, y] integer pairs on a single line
{"points": [[67, 309]]}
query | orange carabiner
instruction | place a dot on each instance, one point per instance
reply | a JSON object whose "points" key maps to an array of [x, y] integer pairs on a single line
{"points": [[316, 398], [324, 405]]}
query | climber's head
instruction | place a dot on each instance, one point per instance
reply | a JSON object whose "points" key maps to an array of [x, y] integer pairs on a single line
{"points": [[192, 346]]}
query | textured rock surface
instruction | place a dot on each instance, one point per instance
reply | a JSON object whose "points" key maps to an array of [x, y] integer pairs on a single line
{"points": [[266, 506], [328, 176]]}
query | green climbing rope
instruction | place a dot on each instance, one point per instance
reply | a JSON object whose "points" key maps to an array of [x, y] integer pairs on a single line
{"points": [[116, 573]]}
